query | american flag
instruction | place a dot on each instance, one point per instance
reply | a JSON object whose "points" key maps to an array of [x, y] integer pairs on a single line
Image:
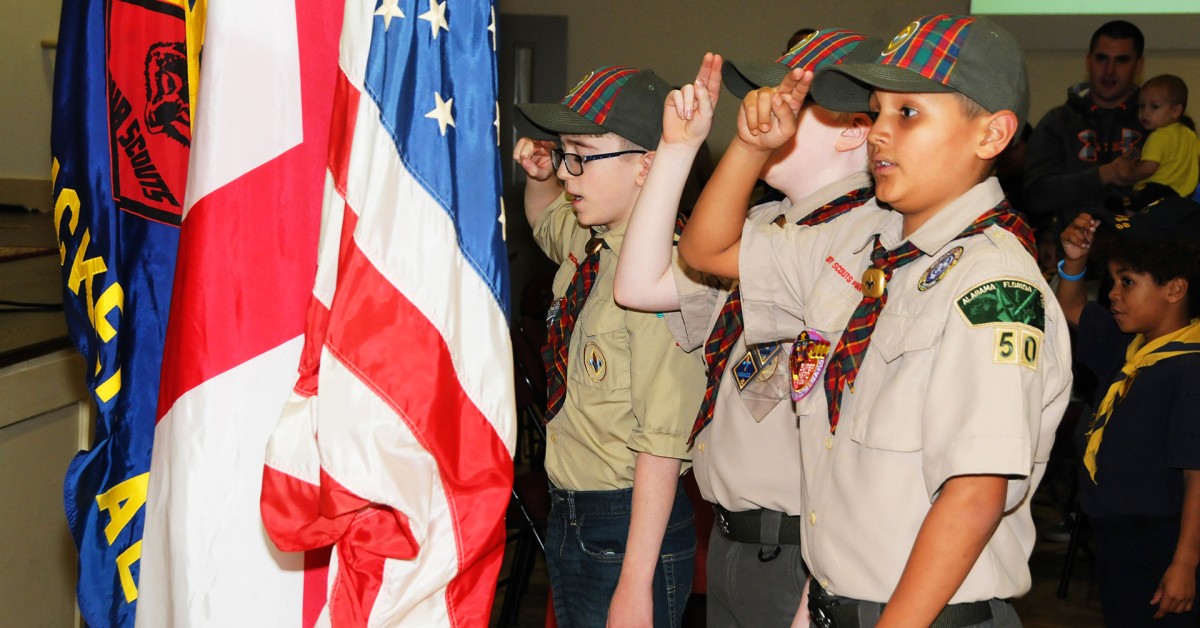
{"points": [[396, 446]]}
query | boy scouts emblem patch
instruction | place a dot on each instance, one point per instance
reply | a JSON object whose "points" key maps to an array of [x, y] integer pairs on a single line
{"points": [[758, 362], [583, 81], [594, 363], [900, 38], [938, 269], [807, 362]]}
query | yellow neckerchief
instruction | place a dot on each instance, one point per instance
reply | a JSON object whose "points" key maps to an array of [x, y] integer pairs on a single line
{"points": [[1139, 355]]}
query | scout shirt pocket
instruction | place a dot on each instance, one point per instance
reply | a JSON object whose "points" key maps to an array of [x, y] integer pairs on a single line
{"points": [[602, 359], [889, 396]]}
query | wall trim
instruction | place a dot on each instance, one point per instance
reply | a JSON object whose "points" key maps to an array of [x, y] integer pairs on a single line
{"points": [[34, 193]]}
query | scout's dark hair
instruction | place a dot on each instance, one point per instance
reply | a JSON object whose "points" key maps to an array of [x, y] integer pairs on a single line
{"points": [[1120, 29], [1161, 260]]}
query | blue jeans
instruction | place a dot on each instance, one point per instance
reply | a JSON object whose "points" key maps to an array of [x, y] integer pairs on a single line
{"points": [[585, 545]]}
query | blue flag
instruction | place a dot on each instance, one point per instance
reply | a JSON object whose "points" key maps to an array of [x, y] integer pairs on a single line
{"points": [[120, 137]]}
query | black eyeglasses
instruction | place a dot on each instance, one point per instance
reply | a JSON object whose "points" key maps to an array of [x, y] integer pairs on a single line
{"points": [[575, 162]]}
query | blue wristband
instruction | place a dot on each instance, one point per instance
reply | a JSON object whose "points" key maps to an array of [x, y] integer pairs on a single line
{"points": [[1069, 277]]}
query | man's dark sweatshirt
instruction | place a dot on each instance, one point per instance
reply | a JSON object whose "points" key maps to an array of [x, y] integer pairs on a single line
{"points": [[1066, 150]]}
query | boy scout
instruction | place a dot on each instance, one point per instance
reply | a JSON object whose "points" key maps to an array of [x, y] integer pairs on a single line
{"points": [[943, 370], [756, 575], [621, 537]]}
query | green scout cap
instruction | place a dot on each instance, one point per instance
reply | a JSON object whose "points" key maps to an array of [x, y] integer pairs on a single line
{"points": [[825, 47], [611, 99], [936, 54]]}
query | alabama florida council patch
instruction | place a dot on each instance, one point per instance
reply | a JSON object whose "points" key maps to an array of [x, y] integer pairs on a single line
{"points": [[1017, 311]]}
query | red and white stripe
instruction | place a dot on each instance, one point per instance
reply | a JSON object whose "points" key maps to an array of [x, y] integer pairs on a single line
{"points": [[247, 258], [397, 442]]}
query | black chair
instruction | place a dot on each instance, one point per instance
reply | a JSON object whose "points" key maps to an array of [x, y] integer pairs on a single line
{"points": [[529, 505], [530, 378]]}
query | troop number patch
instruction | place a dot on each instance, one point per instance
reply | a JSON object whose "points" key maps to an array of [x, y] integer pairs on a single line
{"points": [[1017, 345]]}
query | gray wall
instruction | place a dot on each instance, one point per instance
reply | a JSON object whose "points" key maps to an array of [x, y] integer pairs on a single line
{"points": [[667, 35]]}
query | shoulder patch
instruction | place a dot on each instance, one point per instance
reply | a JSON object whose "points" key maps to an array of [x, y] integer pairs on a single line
{"points": [[1003, 301]]}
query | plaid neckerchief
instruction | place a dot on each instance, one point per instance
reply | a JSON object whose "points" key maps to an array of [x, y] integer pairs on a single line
{"points": [[560, 327], [728, 327], [1138, 355], [847, 357]]}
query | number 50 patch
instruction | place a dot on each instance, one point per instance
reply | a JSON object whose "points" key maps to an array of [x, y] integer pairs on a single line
{"points": [[1017, 345]]}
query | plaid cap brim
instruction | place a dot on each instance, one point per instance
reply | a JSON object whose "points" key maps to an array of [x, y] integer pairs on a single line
{"points": [[848, 87], [546, 121]]}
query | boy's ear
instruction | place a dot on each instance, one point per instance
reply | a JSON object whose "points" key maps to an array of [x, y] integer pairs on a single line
{"points": [[1176, 111], [855, 133], [644, 170], [1177, 290], [1000, 129]]}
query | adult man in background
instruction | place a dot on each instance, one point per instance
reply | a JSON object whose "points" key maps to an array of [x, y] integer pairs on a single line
{"points": [[1085, 149]]}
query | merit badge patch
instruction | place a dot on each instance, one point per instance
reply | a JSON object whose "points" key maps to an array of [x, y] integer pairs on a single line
{"points": [[594, 363], [807, 362], [758, 362], [1003, 301], [938, 269]]}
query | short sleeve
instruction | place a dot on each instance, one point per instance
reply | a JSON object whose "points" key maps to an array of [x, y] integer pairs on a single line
{"points": [[556, 230], [699, 296], [666, 387], [998, 385], [771, 276], [1156, 147]]}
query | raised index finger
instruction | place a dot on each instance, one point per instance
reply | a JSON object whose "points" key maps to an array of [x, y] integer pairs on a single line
{"points": [[709, 76]]}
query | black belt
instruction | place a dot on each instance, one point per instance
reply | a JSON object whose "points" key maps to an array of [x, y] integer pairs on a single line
{"points": [[829, 611], [758, 527]]}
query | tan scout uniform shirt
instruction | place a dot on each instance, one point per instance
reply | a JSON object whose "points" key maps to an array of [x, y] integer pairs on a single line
{"points": [[749, 456], [630, 388], [937, 396]]}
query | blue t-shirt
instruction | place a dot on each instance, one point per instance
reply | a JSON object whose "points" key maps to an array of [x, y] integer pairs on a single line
{"points": [[1153, 434]]}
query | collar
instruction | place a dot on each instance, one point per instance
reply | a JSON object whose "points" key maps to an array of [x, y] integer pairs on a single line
{"points": [[942, 227], [612, 236], [823, 196]]}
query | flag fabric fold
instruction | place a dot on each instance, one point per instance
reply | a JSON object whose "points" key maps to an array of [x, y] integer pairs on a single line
{"points": [[396, 445], [247, 258]]}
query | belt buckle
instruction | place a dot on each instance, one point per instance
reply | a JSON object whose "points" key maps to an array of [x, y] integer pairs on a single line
{"points": [[819, 617], [819, 605], [723, 522]]}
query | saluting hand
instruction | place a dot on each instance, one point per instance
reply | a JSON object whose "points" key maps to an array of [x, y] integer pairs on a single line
{"points": [[534, 157], [688, 111], [769, 114]]}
